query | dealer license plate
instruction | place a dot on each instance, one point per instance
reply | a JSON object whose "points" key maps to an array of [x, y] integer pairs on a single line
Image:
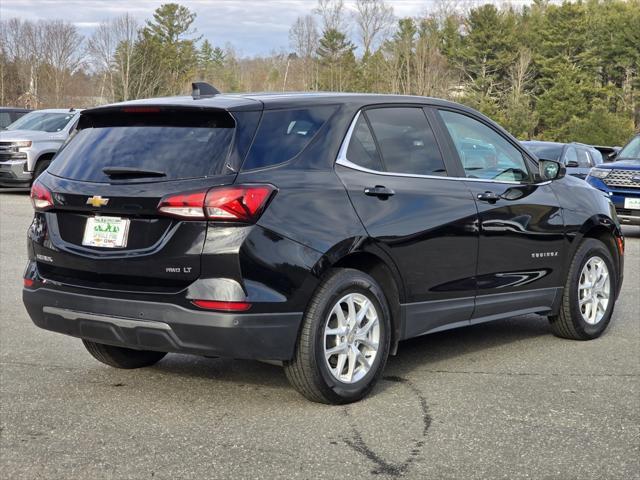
{"points": [[106, 232]]}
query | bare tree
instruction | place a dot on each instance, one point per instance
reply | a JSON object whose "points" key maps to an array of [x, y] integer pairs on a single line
{"points": [[373, 18], [111, 48], [63, 51], [304, 37], [520, 73], [332, 14]]}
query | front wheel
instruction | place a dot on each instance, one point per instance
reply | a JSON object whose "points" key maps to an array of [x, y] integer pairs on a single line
{"points": [[41, 166], [589, 294], [344, 341]]}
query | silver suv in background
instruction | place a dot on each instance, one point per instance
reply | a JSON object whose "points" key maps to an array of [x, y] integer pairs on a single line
{"points": [[28, 144]]}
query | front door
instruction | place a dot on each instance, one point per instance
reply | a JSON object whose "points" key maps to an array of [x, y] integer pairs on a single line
{"points": [[425, 221], [522, 241]]}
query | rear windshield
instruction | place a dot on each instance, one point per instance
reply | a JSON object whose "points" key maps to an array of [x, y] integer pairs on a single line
{"points": [[172, 146], [545, 151]]}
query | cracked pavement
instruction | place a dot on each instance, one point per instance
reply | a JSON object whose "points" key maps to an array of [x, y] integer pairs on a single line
{"points": [[504, 400]]}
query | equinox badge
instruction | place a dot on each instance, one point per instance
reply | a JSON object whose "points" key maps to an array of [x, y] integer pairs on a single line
{"points": [[97, 201]]}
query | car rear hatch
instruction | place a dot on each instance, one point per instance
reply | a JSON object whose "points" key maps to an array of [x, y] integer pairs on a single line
{"points": [[104, 229]]}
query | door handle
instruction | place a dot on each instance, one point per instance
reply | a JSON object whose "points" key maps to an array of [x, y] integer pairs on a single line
{"points": [[490, 197], [379, 191]]}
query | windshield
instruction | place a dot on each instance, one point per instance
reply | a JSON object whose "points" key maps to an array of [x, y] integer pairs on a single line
{"points": [[42, 121], [545, 150], [631, 151]]}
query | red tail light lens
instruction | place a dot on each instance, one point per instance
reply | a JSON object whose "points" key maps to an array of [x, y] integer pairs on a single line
{"points": [[28, 282], [41, 197], [187, 205], [239, 203], [222, 306]]}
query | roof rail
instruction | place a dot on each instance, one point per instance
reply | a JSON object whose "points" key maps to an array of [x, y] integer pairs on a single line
{"points": [[203, 90]]}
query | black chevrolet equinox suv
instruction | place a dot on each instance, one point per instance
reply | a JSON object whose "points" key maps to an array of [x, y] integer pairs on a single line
{"points": [[314, 230]]}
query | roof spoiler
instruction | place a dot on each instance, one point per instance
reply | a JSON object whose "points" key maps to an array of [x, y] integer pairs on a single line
{"points": [[203, 90]]}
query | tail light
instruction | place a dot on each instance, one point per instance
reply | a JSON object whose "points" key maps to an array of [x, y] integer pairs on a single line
{"points": [[238, 203], [41, 197]]}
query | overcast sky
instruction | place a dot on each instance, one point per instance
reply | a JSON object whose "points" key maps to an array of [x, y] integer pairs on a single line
{"points": [[254, 27]]}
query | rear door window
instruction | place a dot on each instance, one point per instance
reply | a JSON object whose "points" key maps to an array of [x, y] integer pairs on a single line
{"points": [[179, 145], [362, 147], [284, 134], [407, 142]]}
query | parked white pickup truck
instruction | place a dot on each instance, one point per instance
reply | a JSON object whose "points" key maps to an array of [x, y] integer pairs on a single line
{"points": [[28, 144]]}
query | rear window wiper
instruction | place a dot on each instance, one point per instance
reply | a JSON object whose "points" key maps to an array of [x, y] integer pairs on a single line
{"points": [[131, 172]]}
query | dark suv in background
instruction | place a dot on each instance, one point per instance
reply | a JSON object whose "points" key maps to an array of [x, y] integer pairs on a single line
{"points": [[8, 115], [578, 158], [317, 230], [620, 180]]}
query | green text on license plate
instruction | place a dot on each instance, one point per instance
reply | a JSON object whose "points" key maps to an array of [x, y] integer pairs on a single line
{"points": [[632, 203], [106, 232]]}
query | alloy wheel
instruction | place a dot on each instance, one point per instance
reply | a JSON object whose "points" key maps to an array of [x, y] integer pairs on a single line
{"points": [[351, 338]]}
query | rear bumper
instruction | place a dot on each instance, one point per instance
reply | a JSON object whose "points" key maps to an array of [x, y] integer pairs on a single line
{"points": [[164, 327]]}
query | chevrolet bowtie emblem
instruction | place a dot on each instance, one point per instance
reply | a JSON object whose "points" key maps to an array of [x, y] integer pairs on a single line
{"points": [[97, 201]]}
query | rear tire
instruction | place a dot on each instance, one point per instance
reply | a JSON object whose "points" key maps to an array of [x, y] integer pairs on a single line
{"points": [[576, 319], [348, 315], [120, 357]]}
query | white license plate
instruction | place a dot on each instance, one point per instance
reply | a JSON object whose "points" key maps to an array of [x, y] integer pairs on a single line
{"points": [[106, 232], [632, 203]]}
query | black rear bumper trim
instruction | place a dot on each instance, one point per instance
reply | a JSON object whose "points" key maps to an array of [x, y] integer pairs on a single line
{"points": [[164, 327]]}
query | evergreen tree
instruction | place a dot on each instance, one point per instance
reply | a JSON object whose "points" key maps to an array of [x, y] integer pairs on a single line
{"points": [[333, 53]]}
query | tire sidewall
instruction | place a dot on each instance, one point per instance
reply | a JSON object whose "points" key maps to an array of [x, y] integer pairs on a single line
{"points": [[41, 166], [591, 248], [351, 282]]}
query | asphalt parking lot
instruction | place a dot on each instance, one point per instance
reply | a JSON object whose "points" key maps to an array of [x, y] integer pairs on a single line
{"points": [[502, 400]]}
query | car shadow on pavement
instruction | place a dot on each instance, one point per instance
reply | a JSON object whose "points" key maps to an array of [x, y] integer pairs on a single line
{"points": [[421, 352], [417, 353]]}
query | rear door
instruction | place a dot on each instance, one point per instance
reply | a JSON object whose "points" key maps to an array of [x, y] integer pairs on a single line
{"points": [[107, 182], [397, 179], [521, 224]]}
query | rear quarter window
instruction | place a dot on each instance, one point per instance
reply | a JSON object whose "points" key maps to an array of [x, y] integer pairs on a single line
{"points": [[284, 134]]}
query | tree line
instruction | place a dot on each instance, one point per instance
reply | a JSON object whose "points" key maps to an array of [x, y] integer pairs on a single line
{"points": [[564, 72]]}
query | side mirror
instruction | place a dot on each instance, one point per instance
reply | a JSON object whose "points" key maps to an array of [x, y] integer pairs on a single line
{"points": [[572, 164], [551, 169]]}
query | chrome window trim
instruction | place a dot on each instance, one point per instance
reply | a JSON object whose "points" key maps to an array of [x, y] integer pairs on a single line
{"points": [[345, 162]]}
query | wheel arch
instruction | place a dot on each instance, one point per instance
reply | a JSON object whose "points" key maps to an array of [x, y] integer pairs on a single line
{"points": [[605, 230], [43, 156], [374, 262]]}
